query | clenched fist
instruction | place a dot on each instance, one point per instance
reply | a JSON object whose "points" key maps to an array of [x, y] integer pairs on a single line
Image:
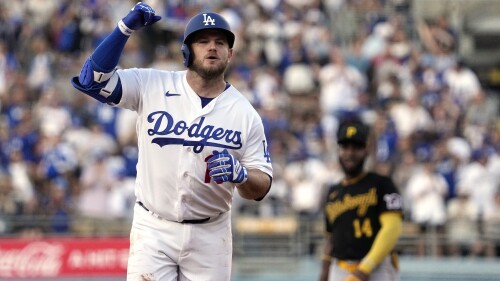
{"points": [[141, 15]]}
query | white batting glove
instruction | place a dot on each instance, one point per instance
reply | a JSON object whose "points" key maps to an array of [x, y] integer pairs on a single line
{"points": [[225, 167]]}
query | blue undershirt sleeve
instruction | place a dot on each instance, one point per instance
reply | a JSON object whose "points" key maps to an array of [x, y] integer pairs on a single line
{"points": [[106, 56]]}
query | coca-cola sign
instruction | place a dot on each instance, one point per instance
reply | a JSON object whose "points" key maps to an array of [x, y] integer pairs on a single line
{"points": [[63, 257], [34, 259]]}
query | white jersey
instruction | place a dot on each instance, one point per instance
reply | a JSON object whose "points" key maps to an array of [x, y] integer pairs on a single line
{"points": [[176, 136]]}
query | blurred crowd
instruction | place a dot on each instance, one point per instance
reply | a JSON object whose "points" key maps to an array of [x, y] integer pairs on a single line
{"points": [[304, 64]]}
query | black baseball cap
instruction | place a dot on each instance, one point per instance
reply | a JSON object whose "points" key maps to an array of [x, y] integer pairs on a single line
{"points": [[352, 132]]}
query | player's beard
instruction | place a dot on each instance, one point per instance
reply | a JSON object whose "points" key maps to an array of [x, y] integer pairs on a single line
{"points": [[352, 171], [209, 73]]}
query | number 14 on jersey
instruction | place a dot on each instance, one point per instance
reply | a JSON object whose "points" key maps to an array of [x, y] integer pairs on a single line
{"points": [[362, 228]]}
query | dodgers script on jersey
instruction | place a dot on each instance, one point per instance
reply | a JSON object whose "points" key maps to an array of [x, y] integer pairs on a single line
{"points": [[176, 137]]}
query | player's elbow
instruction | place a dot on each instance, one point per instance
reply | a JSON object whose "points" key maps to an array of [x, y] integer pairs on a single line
{"points": [[252, 195], [102, 86], [109, 93]]}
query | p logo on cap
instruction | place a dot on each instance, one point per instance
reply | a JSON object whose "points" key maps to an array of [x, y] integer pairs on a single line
{"points": [[351, 131], [355, 132]]}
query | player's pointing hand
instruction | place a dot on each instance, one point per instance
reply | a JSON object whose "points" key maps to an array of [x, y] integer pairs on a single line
{"points": [[141, 15], [225, 167]]}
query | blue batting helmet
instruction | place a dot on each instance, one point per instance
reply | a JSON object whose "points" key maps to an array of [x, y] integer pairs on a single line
{"points": [[203, 21]]}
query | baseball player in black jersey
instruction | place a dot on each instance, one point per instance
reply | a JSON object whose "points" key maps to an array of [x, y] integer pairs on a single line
{"points": [[363, 216]]}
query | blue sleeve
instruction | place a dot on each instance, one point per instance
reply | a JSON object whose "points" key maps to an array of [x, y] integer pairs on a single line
{"points": [[106, 56], [103, 61]]}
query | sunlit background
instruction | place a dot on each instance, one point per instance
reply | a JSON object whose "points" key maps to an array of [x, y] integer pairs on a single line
{"points": [[425, 74]]}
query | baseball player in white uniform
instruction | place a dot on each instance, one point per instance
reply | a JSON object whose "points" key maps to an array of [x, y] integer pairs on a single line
{"points": [[199, 139]]}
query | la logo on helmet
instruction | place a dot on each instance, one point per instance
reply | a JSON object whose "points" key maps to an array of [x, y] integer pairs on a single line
{"points": [[208, 20]]}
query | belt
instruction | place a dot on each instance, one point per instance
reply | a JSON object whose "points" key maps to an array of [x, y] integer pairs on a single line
{"points": [[184, 221], [349, 265]]}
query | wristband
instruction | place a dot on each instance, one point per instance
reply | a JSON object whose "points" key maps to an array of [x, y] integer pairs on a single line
{"points": [[124, 29], [327, 258]]}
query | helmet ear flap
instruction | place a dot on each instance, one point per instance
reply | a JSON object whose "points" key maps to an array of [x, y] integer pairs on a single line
{"points": [[186, 53]]}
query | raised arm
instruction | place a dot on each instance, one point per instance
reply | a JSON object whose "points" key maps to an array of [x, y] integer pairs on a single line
{"points": [[97, 77]]}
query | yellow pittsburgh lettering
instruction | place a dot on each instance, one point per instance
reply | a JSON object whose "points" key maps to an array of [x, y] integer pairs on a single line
{"points": [[361, 201]]}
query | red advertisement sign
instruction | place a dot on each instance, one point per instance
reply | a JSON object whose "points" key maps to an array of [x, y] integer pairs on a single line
{"points": [[63, 257]]}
